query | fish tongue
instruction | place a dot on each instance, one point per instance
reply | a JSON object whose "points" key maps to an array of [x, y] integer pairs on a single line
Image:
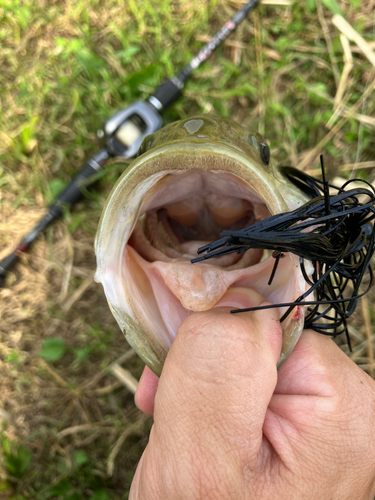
{"points": [[198, 287]]}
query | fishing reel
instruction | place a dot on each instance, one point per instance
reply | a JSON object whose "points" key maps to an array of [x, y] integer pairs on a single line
{"points": [[126, 129]]}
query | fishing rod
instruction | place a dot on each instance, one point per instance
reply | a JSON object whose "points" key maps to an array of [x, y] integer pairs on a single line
{"points": [[124, 133]]}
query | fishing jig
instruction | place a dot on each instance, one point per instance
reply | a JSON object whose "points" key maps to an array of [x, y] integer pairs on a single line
{"points": [[333, 232]]}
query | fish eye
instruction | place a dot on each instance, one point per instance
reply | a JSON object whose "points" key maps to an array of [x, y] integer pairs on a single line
{"points": [[265, 153], [147, 143], [261, 145], [141, 150]]}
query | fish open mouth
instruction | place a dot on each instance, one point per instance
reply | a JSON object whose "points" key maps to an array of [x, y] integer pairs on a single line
{"points": [[153, 228]]}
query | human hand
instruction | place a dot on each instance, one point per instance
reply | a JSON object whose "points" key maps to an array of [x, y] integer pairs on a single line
{"points": [[228, 426]]}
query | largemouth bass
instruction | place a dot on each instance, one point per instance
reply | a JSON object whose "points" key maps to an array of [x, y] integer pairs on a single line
{"points": [[192, 179]]}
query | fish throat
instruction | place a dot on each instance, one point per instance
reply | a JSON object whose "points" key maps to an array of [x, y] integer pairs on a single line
{"points": [[199, 206]]}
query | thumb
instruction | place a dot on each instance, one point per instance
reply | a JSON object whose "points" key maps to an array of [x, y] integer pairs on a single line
{"points": [[219, 377]]}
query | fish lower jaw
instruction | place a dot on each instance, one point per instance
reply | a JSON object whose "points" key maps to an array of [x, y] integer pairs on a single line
{"points": [[161, 295]]}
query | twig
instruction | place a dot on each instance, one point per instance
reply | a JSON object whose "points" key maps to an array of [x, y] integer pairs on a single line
{"points": [[348, 30], [64, 453], [81, 428], [78, 293], [348, 66], [359, 350], [52, 372], [370, 350], [363, 164], [4, 415], [102, 391], [276, 2], [125, 377], [96, 378], [229, 43], [80, 408], [327, 37], [67, 269], [92, 436], [117, 446], [260, 67], [367, 367], [345, 167]]}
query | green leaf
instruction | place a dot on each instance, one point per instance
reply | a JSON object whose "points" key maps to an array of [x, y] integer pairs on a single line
{"points": [[53, 349], [27, 135], [4, 486], [18, 462], [75, 45], [333, 6], [89, 61], [83, 353], [74, 496], [63, 487], [311, 5], [23, 14], [6, 445], [55, 188], [99, 495], [141, 76], [76, 219], [68, 47], [127, 54], [12, 356], [80, 457]]}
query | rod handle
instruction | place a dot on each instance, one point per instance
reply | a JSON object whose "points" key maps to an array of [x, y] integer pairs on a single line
{"points": [[168, 92], [73, 192], [6, 265]]}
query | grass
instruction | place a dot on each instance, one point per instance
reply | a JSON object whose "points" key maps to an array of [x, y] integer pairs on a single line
{"points": [[67, 67]]}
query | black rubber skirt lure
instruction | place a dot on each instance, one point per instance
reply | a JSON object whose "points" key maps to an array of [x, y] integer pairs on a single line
{"points": [[333, 232]]}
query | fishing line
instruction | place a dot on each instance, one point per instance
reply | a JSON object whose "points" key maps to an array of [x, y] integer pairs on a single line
{"points": [[339, 243]]}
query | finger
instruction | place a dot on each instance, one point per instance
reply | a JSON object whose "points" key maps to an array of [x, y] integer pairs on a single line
{"points": [[146, 390], [218, 379], [317, 382], [317, 366], [322, 402], [301, 373], [148, 383], [134, 493]]}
